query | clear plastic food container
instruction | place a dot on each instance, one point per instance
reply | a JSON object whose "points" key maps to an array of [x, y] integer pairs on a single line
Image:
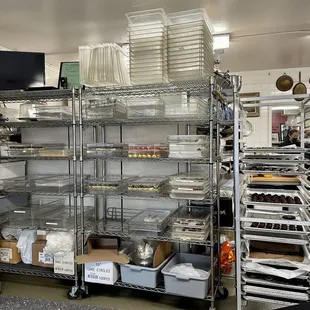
{"points": [[46, 112], [147, 17], [189, 193], [24, 150], [190, 16], [189, 179], [107, 184], [54, 184], [55, 151], [187, 234], [147, 186], [191, 217], [188, 139], [109, 107], [107, 150], [24, 183], [150, 220], [147, 150], [188, 154], [145, 107]]}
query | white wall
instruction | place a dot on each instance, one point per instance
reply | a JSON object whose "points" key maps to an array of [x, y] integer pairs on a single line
{"points": [[264, 82]]}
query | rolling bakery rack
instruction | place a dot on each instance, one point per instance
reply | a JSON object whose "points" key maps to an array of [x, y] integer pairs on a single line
{"points": [[272, 216], [53, 97]]}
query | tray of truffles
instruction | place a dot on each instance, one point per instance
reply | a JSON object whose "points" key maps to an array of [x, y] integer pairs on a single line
{"points": [[280, 150], [147, 186], [256, 169], [282, 222], [106, 150], [147, 150], [283, 198], [106, 184]]}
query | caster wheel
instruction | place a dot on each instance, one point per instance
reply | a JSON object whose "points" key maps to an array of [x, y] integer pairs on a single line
{"points": [[84, 294], [73, 296], [222, 293]]}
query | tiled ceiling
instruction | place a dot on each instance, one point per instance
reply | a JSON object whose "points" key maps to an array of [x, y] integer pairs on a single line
{"points": [[259, 38]]}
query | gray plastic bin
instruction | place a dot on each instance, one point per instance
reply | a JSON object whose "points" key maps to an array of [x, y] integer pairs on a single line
{"points": [[143, 276], [185, 285]]}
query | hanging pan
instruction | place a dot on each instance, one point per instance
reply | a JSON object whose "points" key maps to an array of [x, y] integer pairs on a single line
{"points": [[284, 82], [299, 89]]}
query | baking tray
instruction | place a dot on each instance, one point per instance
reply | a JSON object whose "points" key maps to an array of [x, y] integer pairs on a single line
{"points": [[267, 300], [276, 170], [285, 294], [283, 150], [296, 241], [276, 217], [292, 193], [273, 161], [265, 280], [190, 234]]}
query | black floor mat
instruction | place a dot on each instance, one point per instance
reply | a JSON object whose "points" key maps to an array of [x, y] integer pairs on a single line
{"points": [[20, 303]]}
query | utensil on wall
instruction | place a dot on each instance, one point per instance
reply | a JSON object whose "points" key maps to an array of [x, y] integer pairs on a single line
{"points": [[284, 82], [299, 89]]}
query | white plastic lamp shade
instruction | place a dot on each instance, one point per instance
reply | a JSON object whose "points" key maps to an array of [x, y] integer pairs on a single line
{"points": [[220, 41]]}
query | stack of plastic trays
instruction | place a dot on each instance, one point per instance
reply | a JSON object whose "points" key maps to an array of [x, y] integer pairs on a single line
{"points": [[190, 223], [190, 46], [188, 147], [148, 46], [191, 186], [150, 222]]}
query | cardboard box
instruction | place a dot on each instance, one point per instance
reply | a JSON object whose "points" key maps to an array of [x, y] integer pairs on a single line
{"points": [[41, 234], [64, 264], [101, 249], [102, 272], [9, 252], [38, 257]]}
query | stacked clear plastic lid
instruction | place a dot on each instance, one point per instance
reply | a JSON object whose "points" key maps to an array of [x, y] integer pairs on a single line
{"points": [[188, 146], [147, 46], [153, 222], [98, 107], [190, 223], [187, 185], [190, 45], [103, 64]]}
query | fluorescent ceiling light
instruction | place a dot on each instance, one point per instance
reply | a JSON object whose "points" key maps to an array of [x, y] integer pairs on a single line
{"points": [[221, 41], [293, 107]]}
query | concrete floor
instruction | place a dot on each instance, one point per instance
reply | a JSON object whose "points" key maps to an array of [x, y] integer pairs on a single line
{"points": [[110, 297]]}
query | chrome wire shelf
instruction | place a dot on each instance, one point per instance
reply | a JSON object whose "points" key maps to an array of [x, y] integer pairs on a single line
{"points": [[30, 270], [198, 86], [116, 228], [161, 159], [160, 289], [193, 120], [37, 124], [42, 95]]}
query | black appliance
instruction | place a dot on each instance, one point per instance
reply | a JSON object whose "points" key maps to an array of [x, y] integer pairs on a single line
{"points": [[21, 70]]}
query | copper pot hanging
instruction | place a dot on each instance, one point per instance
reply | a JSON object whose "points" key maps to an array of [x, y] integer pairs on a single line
{"points": [[299, 89], [284, 82]]}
